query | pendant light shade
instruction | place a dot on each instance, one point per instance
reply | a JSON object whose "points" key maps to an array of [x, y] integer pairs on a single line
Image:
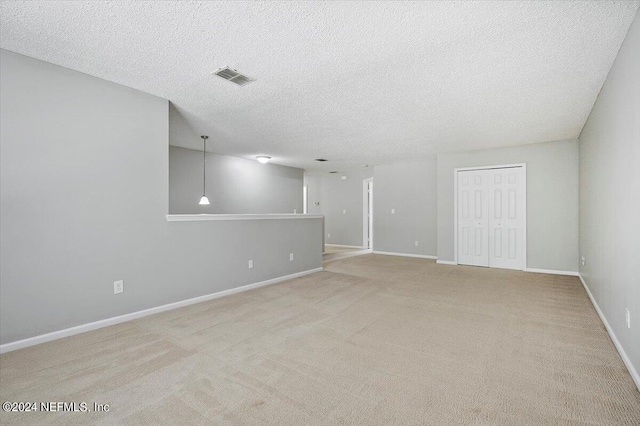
{"points": [[204, 201]]}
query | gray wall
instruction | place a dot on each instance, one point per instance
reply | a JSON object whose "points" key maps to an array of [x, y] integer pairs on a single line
{"points": [[610, 196], [336, 195], [552, 200], [84, 195], [410, 189], [234, 185]]}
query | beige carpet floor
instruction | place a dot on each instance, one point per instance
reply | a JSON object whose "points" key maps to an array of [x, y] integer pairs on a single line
{"points": [[372, 340]]}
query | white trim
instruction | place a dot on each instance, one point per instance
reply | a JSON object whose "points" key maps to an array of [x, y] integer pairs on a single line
{"points": [[340, 256], [445, 262], [19, 344], [201, 217], [612, 335], [524, 216], [340, 245], [390, 253], [551, 271], [498, 166], [305, 199], [367, 207], [455, 206], [455, 217]]}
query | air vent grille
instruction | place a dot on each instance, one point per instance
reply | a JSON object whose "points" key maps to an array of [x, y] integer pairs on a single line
{"points": [[234, 76], [241, 80]]}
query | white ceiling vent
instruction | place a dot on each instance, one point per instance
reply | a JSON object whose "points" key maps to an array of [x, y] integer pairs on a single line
{"points": [[234, 76]]}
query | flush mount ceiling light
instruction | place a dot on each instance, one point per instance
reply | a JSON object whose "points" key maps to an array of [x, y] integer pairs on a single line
{"points": [[204, 201], [234, 76], [264, 159]]}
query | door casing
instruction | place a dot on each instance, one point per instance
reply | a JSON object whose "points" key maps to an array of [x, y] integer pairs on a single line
{"points": [[367, 213]]}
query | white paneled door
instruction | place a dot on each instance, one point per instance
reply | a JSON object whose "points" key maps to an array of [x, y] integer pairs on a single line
{"points": [[491, 217], [473, 218]]}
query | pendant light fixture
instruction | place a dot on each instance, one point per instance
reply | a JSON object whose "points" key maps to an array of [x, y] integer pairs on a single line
{"points": [[204, 201]]}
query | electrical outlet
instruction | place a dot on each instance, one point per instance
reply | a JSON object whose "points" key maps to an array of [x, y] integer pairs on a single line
{"points": [[627, 317], [583, 260], [290, 257], [251, 264], [344, 212], [328, 235], [416, 243], [295, 211], [118, 287], [393, 211]]}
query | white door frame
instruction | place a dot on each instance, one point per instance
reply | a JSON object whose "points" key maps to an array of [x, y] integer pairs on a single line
{"points": [[305, 199], [455, 205], [367, 209]]}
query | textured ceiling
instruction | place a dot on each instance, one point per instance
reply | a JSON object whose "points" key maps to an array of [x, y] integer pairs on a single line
{"points": [[357, 83]]}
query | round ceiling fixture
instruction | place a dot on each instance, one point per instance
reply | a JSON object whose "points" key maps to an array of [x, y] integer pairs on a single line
{"points": [[264, 159]]}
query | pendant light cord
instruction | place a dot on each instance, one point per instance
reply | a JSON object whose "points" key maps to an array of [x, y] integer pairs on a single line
{"points": [[204, 166]]}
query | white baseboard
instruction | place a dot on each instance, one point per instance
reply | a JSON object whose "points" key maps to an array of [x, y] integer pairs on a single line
{"points": [[612, 335], [540, 271], [55, 335], [340, 256], [389, 253], [341, 245], [551, 271]]}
